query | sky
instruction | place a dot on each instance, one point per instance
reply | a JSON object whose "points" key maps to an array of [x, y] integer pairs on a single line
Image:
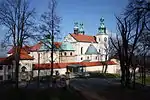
{"points": [[87, 12]]}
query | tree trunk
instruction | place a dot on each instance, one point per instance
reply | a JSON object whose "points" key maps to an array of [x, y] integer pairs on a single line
{"points": [[127, 83], [122, 75], [106, 66], [103, 68], [17, 72], [144, 74], [38, 80], [134, 78]]}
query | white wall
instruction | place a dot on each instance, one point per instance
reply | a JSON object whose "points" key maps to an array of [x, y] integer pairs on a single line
{"points": [[48, 71], [111, 69]]}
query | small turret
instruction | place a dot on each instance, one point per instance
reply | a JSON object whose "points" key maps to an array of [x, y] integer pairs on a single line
{"points": [[102, 28], [76, 28], [81, 29]]}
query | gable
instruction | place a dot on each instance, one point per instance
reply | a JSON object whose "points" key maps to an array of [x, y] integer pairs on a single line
{"points": [[69, 38]]}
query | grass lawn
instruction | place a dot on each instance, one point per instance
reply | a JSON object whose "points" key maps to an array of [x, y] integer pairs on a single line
{"points": [[41, 94], [147, 80]]}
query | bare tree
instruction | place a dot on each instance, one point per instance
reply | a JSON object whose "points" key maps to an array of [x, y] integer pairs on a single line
{"points": [[18, 19], [109, 52], [50, 27], [129, 39]]}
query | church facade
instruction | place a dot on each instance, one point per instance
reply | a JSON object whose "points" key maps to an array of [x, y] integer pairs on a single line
{"points": [[77, 48]]}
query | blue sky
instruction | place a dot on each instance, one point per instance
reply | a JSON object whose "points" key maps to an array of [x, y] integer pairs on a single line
{"points": [[88, 12]]}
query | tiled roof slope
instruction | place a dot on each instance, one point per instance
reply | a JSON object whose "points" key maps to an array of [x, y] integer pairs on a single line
{"points": [[83, 38]]}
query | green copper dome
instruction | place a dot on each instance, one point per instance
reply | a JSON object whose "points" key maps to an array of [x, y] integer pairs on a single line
{"points": [[91, 50], [46, 45], [102, 28], [67, 46]]}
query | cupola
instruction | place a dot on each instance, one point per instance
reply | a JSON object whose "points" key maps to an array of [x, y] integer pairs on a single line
{"points": [[76, 28], [81, 29], [102, 28]]}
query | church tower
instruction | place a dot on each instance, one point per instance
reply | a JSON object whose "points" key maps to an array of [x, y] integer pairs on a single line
{"points": [[81, 29], [102, 40], [76, 28]]}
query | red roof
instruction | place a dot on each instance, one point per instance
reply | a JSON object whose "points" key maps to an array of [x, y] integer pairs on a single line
{"points": [[64, 65], [57, 44], [26, 48], [23, 56], [83, 38], [36, 47]]}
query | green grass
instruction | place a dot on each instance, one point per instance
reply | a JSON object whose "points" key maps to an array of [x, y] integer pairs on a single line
{"points": [[147, 80]]}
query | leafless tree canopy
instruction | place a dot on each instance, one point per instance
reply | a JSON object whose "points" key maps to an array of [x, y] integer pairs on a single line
{"points": [[16, 16], [132, 37]]}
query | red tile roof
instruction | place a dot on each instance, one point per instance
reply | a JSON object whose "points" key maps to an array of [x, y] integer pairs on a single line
{"points": [[23, 56], [83, 38], [36, 46], [64, 65], [26, 48], [57, 44]]}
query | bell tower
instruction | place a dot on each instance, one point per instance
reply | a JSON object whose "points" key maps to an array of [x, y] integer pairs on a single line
{"points": [[102, 28], [76, 28], [81, 29], [102, 40]]}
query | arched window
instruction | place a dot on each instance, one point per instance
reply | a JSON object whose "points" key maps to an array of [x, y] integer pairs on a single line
{"points": [[65, 53], [81, 50], [99, 50], [81, 58], [88, 57], [105, 39], [96, 57], [70, 53], [99, 39], [61, 54]]}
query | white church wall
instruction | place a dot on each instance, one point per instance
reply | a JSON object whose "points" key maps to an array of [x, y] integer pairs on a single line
{"points": [[110, 69], [48, 71]]}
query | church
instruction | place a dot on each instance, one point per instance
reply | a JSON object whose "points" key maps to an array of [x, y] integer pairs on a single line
{"points": [[78, 49]]}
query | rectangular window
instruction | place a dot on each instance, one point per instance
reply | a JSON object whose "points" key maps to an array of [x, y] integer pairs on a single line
{"points": [[1, 77], [1, 67]]}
